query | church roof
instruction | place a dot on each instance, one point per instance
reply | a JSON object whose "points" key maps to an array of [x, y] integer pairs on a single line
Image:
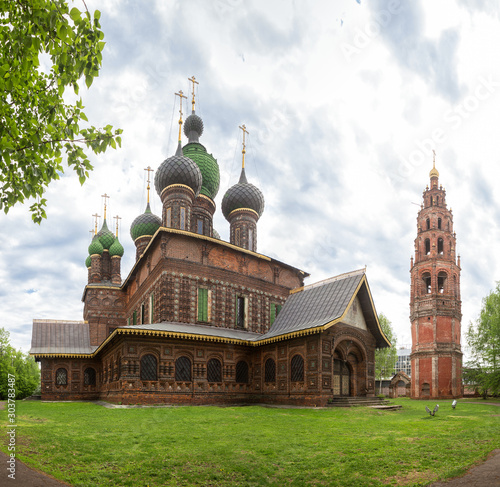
{"points": [[318, 306], [61, 337]]}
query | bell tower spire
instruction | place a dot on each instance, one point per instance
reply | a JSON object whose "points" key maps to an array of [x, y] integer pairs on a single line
{"points": [[435, 306]]}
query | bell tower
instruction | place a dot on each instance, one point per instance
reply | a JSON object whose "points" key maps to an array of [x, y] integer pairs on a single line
{"points": [[435, 306]]}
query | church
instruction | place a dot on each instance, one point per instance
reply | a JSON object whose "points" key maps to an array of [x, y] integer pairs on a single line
{"points": [[199, 320]]}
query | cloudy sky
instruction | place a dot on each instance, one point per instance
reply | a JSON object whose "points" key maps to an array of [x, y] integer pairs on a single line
{"points": [[344, 102]]}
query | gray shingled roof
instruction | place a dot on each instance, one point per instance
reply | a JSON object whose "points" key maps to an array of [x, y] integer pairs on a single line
{"points": [[316, 305], [202, 330], [62, 337]]}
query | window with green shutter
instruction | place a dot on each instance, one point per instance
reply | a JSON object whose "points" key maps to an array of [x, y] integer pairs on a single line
{"points": [[202, 304], [275, 309], [134, 318]]}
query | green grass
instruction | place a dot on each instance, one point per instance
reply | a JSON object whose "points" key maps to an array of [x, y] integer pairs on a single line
{"points": [[88, 445]]}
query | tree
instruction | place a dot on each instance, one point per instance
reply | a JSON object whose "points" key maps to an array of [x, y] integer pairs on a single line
{"points": [[22, 367], [386, 358], [483, 341], [44, 49]]}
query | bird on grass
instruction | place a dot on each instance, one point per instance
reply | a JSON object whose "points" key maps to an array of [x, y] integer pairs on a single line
{"points": [[454, 404], [432, 413]]}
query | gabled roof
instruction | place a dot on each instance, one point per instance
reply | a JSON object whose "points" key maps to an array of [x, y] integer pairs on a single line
{"points": [[316, 307], [61, 338]]}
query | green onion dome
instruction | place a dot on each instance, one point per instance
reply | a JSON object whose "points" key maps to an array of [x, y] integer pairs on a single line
{"points": [[116, 249], [208, 166], [88, 262], [106, 236], [95, 246], [178, 169], [243, 195], [145, 224]]}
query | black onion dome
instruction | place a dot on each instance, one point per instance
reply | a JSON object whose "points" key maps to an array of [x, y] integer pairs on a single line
{"points": [[243, 195], [178, 169], [193, 127]]}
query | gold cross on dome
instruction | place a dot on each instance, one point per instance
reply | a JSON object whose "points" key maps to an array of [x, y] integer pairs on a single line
{"points": [[96, 216], [193, 80], [245, 131], [106, 197], [181, 96], [148, 169], [117, 218]]}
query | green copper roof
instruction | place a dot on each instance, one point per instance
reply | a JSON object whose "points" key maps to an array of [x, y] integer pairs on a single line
{"points": [[88, 262], [106, 236], [116, 248], [145, 224], [208, 167], [96, 246]]}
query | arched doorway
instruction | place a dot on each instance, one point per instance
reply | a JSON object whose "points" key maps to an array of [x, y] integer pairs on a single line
{"points": [[341, 378]]}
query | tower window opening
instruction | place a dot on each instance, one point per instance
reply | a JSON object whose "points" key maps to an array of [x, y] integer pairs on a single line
{"points": [[440, 246], [437, 200], [428, 223], [199, 227], [169, 217], [183, 218], [426, 277], [439, 223], [427, 246], [441, 282]]}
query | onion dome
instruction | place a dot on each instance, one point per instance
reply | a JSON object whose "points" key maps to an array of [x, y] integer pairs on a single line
{"points": [[434, 173], [96, 246], [215, 234], [105, 236], [193, 127], [88, 262], [116, 249], [208, 166], [145, 224], [243, 195], [178, 169]]}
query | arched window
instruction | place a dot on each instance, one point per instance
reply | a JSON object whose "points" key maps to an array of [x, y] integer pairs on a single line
{"points": [[270, 371], [428, 223], [242, 372], [149, 367], [440, 246], [297, 369], [89, 377], [214, 370], [183, 369], [439, 223], [427, 246], [437, 200], [61, 377], [426, 277], [441, 281]]}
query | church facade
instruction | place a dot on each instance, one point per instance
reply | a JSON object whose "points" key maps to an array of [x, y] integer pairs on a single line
{"points": [[199, 320], [435, 305]]}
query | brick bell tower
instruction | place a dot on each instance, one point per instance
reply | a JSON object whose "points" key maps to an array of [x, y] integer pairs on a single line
{"points": [[435, 306]]}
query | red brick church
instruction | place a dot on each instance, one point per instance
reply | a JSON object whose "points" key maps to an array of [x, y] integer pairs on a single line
{"points": [[199, 320]]}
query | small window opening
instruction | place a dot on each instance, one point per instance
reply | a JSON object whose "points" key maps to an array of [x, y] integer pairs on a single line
{"points": [[441, 282], [240, 312], [440, 246], [428, 223], [183, 218], [427, 246], [439, 223], [199, 227], [426, 277]]}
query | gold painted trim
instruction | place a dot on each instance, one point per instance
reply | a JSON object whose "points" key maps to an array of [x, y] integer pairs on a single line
{"points": [[177, 185], [243, 209]]}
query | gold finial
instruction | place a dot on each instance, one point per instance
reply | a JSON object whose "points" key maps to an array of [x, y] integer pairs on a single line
{"points": [[96, 216], [181, 96], [243, 152], [105, 196], [148, 169], [434, 172], [193, 80], [117, 218]]}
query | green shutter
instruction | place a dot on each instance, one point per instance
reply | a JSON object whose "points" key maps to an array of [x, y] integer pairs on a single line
{"points": [[273, 312], [202, 304], [152, 305], [278, 309], [134, 318]]}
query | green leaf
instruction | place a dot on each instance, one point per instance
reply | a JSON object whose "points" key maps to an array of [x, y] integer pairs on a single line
{"points": [[75, 14]]}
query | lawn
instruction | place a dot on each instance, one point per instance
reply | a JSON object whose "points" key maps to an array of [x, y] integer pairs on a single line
{"points": [[88, 445]]}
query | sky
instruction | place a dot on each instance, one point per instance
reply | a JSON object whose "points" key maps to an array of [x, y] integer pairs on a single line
{"points": [[344, 102]]}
